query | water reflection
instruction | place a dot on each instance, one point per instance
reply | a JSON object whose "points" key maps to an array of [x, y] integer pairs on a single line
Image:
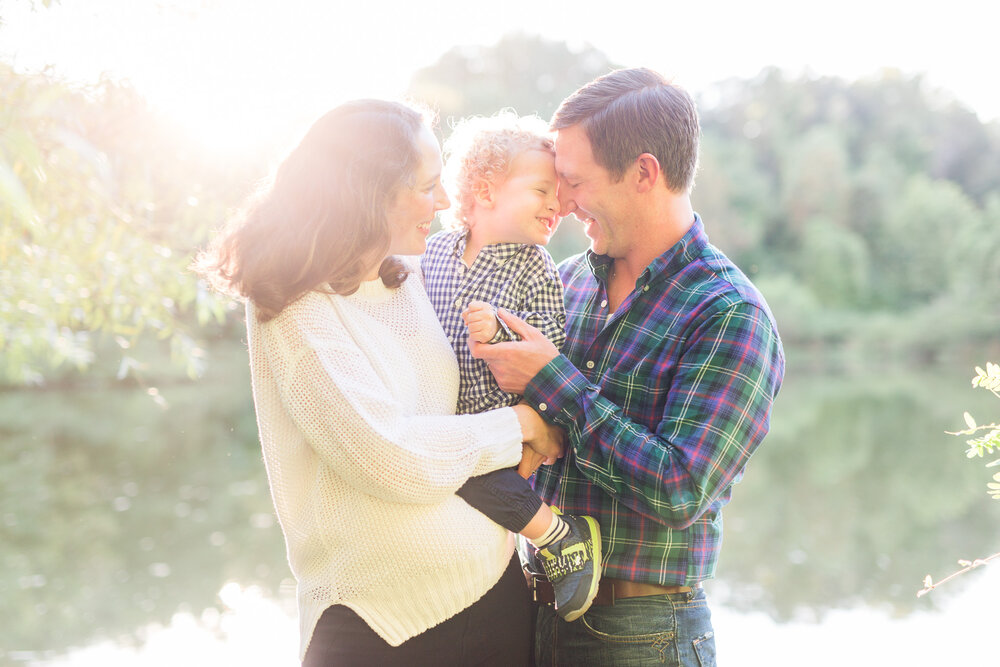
{"points": [[857, 494], [122, 516], [119, 513]]}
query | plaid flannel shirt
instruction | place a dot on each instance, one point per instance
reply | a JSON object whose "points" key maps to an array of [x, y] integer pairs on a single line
{"points": [[663, 404], [520, 278]]}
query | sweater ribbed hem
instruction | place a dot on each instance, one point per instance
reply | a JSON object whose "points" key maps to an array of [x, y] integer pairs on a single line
{"points": [[399, 615]]}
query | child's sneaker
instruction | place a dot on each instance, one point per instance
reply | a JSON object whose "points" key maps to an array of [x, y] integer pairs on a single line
{"points": [[573, 566]]}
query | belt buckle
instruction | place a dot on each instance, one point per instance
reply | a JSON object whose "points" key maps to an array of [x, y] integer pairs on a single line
{"points": [[533, 580]]}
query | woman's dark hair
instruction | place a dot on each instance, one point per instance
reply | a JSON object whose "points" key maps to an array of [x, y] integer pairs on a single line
{"points": [[321, 221]]}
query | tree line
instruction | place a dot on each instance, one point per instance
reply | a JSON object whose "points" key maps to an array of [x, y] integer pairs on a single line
{"points": [[868, 211]]}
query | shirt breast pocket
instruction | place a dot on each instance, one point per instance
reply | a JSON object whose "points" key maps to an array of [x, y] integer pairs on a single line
{"points": [[641, 388]]}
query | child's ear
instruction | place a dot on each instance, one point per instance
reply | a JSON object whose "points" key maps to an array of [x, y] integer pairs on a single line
{"points": [[483, 192]]}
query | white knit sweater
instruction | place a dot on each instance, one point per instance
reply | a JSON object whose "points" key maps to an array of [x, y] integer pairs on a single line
{"points": [[355, 398]]}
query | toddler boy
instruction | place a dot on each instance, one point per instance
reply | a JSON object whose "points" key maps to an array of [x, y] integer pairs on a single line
{"points": [[501, 173]]}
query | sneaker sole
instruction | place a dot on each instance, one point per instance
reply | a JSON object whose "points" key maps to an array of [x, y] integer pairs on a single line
{"points": [[598, 572]]}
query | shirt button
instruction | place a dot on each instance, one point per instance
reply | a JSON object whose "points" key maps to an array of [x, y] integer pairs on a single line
{"points": [[645, 288], [604, 303], [542, 407], [590, 364], [458, 303]]}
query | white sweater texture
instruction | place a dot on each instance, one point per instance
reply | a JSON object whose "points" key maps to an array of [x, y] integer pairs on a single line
{"points": [[355, 398]]}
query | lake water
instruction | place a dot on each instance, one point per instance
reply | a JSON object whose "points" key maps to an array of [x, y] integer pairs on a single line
{"points": [[136, 528]]}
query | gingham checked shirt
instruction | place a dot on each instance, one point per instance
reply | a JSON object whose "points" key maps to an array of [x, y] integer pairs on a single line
{"points": [[520, 278], [663, 405]]}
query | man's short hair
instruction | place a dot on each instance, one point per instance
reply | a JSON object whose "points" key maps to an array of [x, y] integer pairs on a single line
{"points": [[629, 112]]}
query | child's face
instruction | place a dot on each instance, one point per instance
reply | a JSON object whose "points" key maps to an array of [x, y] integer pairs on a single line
{"points": [[526, 208]]}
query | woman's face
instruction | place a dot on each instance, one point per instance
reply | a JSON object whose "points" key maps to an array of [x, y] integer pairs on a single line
{"points": [[411, 214]]}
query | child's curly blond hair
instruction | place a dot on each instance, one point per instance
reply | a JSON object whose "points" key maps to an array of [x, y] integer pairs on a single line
{"points": [[483, 148]]}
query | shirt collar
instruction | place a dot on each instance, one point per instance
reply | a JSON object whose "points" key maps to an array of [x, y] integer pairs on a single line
{"points": [[673, 260], [500, 253], [458, 247]]}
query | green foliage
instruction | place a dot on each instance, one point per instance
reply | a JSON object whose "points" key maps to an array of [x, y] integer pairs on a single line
{"points": [[814, 179], [989, 441], [869, 198], [527, 73], [867, 211], [915, 247], [835, 263], [743, 201], [101, 208]]}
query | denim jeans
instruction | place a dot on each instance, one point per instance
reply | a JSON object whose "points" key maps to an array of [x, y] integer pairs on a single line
{"points": [[673, 630]]}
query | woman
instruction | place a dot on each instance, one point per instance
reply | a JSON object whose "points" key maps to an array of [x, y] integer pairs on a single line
{"points": [[355, 385]]}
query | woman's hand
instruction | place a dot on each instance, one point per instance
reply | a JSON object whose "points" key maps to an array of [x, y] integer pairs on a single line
{"points": [[546, 440], [530, 461]]}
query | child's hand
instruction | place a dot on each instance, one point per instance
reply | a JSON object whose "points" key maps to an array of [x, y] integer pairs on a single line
{"points": [[482, 321]]}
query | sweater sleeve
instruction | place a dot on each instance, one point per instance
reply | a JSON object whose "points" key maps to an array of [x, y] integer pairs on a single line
{"points": [[363, 427]]}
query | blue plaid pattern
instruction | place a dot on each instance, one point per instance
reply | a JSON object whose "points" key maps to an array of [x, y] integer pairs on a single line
{"points": [[520, 278], [663, 406]]}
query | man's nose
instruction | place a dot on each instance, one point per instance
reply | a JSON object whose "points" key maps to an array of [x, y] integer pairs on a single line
{"points": [[566, 203]]}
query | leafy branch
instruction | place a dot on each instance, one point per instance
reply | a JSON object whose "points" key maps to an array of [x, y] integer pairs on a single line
{"points": [[930, 584], [987, 443]]}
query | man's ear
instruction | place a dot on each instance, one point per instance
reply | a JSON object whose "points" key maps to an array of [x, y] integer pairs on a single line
{"points": [[648, 172], [483, 192]]}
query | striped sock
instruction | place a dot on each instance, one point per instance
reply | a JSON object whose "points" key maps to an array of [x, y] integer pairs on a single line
{"points": [[557, 530]]}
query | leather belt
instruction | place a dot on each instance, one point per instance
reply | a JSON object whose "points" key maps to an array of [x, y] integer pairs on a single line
{"points": [[608, 590]]}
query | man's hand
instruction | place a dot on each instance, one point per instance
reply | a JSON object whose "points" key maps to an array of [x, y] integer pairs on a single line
{"points": [[481, 319], [514, 364]]}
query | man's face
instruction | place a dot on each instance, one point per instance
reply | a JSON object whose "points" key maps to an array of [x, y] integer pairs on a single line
{"points": [[586, 189]]}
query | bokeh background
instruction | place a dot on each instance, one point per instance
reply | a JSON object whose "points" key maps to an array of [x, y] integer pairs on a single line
{"points": [[850, 166]]}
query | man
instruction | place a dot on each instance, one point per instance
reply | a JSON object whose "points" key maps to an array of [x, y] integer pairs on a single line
{"points": [[664, 386]]}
